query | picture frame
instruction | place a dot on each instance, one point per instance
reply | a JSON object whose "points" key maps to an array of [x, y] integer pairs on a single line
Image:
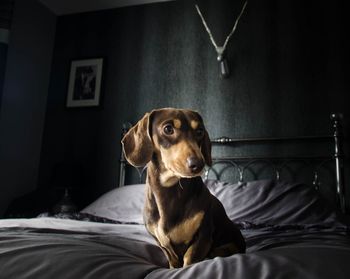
{"points": [[85, 79]]}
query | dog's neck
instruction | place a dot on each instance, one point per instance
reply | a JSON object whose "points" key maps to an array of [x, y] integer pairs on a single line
{"points": [[158, 176], [164, 176], [167, 200]]}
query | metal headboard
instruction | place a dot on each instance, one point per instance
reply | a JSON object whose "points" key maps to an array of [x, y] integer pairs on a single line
{"points": [[244, 164]]}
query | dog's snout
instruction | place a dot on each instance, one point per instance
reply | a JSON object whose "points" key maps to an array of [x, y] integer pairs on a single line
{"points": [[195, 164]]}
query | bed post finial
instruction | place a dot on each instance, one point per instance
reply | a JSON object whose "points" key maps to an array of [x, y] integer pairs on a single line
{"points": [[338, 156], [125, 128]]}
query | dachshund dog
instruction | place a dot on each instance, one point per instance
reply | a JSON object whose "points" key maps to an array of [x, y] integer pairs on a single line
{"points": [[187, 221]]}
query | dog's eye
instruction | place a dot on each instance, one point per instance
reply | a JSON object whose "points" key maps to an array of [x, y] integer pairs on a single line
{"points": [[168, 129], [200, 132]]}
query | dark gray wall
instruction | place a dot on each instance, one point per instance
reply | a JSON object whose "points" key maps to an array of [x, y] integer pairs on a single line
{"points": [[3, 55], [288, 61], [6, 7], [23, 103]]}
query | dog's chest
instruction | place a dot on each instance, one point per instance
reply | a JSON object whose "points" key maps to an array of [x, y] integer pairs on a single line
{"points": [[181, 233]]}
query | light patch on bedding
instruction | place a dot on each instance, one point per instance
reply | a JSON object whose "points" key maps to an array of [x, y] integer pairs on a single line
{"points": [[133, 231]]}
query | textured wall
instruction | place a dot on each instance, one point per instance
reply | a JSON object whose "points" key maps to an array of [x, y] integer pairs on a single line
{"points": [[288, 61], [3, 55]]}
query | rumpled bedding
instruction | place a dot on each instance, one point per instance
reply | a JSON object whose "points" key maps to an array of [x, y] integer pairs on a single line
{"points": [[86, 245]]}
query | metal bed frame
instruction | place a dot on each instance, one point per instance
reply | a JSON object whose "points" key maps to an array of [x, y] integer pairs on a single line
{"points": [[243, 164]]}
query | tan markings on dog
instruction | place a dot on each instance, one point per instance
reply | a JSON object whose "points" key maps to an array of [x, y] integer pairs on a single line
{"points": [[175, 158], [188, 256], [191, 256], [162, 237], [177, 123], [194, 124], [168, 178], [163, 240], [183, 232]]}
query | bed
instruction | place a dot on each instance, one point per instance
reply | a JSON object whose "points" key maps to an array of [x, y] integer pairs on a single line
{"points": [[292, 229]]}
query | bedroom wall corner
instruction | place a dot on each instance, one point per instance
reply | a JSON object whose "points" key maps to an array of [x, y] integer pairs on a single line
{"points": [[24, 98]]}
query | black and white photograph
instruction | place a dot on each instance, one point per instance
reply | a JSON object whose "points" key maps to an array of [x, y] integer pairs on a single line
{"points": [[85, 83]]}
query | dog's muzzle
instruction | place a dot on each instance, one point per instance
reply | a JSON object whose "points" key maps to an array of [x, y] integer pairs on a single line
{"points": [[195, 165]]}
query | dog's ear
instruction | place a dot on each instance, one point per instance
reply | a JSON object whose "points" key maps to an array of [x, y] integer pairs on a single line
{"points": [[206, 148], [137, 143]]}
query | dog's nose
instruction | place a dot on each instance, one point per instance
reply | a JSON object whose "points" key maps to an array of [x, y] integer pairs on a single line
{"points": [[195, 164]]}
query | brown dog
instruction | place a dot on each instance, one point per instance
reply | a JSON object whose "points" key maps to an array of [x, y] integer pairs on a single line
{"points": [[188, 222]]}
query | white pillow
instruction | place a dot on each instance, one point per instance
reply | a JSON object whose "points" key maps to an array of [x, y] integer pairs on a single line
{"points": [[124, 204]]}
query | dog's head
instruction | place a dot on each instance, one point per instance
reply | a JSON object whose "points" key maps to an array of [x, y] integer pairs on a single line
{"points": [[176, 137]]}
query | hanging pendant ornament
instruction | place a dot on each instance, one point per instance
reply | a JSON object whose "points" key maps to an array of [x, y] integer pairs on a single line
{"points": [[220, 50], [223, 65]]}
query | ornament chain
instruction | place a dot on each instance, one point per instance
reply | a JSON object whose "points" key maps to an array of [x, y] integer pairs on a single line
{"points": [[220, 49]]}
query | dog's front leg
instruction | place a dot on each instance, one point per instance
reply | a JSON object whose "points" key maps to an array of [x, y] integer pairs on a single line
{"points": [[165, 244], [172, 258], [198, 250]]}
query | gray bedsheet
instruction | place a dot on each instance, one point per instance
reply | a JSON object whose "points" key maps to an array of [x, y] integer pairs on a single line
{"points": [[58, 248]]}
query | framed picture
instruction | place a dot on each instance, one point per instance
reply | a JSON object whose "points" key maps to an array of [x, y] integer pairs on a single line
{"points": [[84, 87]]}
